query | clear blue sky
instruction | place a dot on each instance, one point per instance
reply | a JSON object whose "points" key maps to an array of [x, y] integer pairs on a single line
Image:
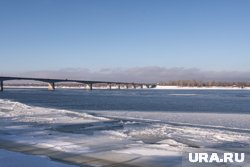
{"points": [[56, 34]]}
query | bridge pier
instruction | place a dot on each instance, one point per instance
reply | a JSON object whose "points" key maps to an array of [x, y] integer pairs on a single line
{"points": [[51, 86], [134, 85], [119, 86], [1, 86], [141, 86], [110, 86], [126, 86], [89, 86]]}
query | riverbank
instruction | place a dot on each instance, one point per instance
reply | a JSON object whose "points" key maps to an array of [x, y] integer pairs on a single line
{"points": [[201, 88]]}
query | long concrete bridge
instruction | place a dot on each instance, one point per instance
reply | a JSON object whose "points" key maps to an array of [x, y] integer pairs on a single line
{"points": [[89, 84]]}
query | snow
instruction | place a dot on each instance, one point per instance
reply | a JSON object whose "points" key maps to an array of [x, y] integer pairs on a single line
{"points": [[201, 88]]}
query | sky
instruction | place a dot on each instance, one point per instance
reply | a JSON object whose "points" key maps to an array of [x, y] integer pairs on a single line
{"points": [[208, 35]]}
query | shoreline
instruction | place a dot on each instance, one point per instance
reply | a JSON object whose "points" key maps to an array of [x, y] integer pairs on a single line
{"points": [[200, 88], [158, 87]]}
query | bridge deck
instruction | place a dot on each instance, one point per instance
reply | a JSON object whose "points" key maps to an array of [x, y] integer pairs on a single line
{"points": [[52, 82]]}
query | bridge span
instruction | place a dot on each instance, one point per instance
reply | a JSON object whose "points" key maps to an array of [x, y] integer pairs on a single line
{"points": [[89, 84]]}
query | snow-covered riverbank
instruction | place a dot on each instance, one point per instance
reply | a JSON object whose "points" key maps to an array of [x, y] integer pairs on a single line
{"points": [[202, 88]]}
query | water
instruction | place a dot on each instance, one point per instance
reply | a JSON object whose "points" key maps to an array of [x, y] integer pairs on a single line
{"points": [[219, 101], [125, 127]]}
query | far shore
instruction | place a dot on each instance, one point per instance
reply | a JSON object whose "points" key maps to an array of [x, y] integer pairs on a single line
{"points": [[203, 88], [158, 87]]}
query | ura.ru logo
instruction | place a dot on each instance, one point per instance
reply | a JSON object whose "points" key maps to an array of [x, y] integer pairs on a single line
{"points": [[215, 157]]}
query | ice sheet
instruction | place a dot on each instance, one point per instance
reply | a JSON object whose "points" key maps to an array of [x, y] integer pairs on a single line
{"points": [[105, 137]]}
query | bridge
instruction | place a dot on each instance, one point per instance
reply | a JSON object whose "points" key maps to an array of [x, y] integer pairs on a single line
{"points": [[89, 84]]}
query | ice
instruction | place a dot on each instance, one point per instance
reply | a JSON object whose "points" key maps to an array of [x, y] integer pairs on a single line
{"points": [[213, 120], [13, 159], [149, 151], [99, 138], [21, 112], [181, 94]]}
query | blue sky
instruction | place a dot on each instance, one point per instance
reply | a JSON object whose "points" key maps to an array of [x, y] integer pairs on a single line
{"points": [[95, 34]]}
